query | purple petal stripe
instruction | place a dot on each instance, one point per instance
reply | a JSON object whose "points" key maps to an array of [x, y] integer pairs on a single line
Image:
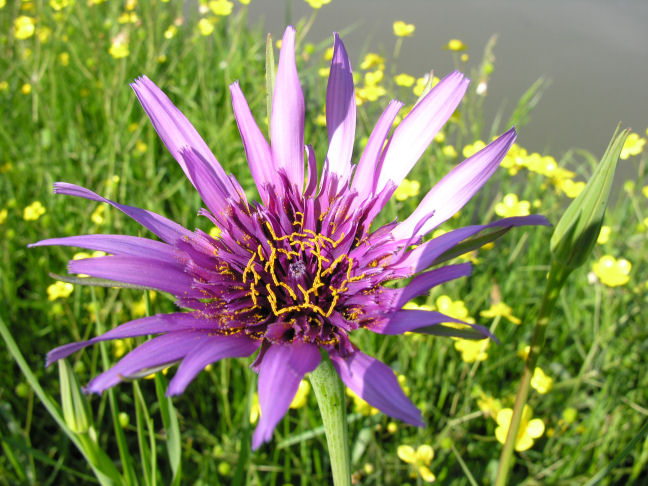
{"points": [[408, 320], [287, 119], [156, 274], [282, 368], [422, 283], [205, 181], [452, 192], [162, 350], [156, 324], [166, 229], [376, 383], [211, 349], [418, 128]]}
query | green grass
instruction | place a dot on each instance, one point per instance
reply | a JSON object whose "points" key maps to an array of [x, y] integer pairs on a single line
{"points": [[81, 123]]}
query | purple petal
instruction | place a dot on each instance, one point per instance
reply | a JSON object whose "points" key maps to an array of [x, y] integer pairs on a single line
{"points": [[287, 119], [424, 255], [115, 244], [282, 368], [340, 112], [159, 323], [408, 320], [211, 349], [256, 147], [376, 383], [175, 130], [365, 176], [204, 180], [452, 192], [422, 283], [167, 230], [159, 351], [156, 274], [418, 128], [311, 185]]}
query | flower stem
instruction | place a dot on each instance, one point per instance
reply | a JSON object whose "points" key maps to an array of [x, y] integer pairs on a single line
{"points": [[330, 398], [557, 277]]}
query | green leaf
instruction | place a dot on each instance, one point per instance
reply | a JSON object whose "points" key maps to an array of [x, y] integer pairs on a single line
{"points": [[76, 410], [171, 427]]}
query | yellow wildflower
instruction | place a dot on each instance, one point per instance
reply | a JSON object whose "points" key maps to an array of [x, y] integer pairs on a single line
{"points": [[612, 272], [404, 80], [205, 27], [373, 60], [407, 189], [524, 352], [633, 146], [328, 54], [455, 45], [392, 427], [24, 27], [128, 18], [255, 409], [373, 78], [510, 206], [131, 4], [301, 396], [500, 309], [59, 290], [140, 147], [221, 7], [401, 29], [360, 405], [34, 211], [464, 58], [604, 235], [471, 350], [120, 346], [370, 93], [489, 406], [540, 381], [644, 189], [324, 72], [456, 308], [119, 47], [3, 3], [3, 215], [439, 137], [243, 2], [570, 188], [449, 151], [472, 149], [215, 232], [97, 215], [4, 85], [170, 32], [419, 458], [317, 3], [320, 120], [414, 306], [64, 58], [26, 88], [529, 430]]}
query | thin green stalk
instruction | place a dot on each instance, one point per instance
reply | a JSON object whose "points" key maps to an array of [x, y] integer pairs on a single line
{"points": [[557, 277], [330, 398]]}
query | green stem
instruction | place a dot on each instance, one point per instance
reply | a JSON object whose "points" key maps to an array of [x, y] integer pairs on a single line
{"points": [[330, 398], [557, 277]]}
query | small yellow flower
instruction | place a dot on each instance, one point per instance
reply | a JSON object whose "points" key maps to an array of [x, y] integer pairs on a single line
{"points": [[407, 189], [404, 80], [500, 309], [612, 272], [64, 58], [449, 151], [372, 60], [59, 290], [128, 18], [540, 381], [324, 72], [316, 4], [26, 88], [470, 150], [529, 430], [320, 120], [119, 47], [644, 189], [570, 188], [4, 85], [140, 147], [301, 396], [170, 32], [24, 27], [97, 215], [59, 4], [221, 7], [511, 206], [604, 235], [244, 2], [456, 308], [472, 351], [205, 27], [215, 232], [120, 346], [489, 406], [392, 427], [419, 458], [370, 93], [328, 54], [464, 58], [373, 78], [3, 215], [455, 45], [633, 146], [360, 405], [34, 211], [131, 4], [3, 3], [401, 29]]}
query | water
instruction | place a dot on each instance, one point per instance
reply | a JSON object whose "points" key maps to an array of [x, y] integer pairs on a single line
{"points": [[594, 52]]}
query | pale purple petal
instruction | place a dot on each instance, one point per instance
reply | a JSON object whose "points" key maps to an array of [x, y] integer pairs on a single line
{"points": [[311, 185], [175, 130], [115, 244], [256, 147], [376, 383], [407, 320], [452, 192], [156, 324], [340, 112], [167, 230], [165, 276], [425, 254], [365, 177], [422, 283], [210, 350], [418, 128], [159, 351], [204, 181], [282, 368], [287, 120]]}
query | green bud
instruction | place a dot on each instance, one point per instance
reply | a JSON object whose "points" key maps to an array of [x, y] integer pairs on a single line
{"points": [[224, 468], [123, 419], [76, 411], [22, 390], [576, 232]]}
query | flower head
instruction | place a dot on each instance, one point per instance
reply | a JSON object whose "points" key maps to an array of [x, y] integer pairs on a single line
{"points": [[530, 428], [299, 271], [420, 458], [612, 272]]}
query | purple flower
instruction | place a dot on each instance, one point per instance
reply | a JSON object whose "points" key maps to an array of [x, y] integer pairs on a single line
{"points": [[300, 271]]}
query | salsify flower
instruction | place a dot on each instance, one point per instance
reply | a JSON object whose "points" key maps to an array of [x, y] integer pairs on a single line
{"points": [[296, 273]]}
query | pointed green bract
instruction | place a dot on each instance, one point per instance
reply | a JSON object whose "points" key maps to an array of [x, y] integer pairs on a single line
{"points": [[577, 230], [76, 410]]}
